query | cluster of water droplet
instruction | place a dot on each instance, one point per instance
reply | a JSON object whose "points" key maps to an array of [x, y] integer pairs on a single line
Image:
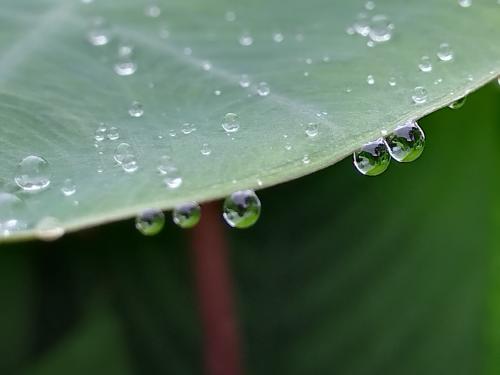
{"points": [[405, 144], [377, 28]]}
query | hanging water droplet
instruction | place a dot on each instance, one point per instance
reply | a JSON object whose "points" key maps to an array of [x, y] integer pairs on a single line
{"points": [[419, 95], [242, 209], [392, 81], [380, 29], [101, 132], [263, 89], [465, 3], [33, 174], [244, 81], [113, 133], [445, 53], [68, 187], [231, 123], [205, 149], [49, 229], [312, 129], [188, 128], [370, 80], [99, 34], [372, 159], [406, 143], [458, 103], [136, 109], [425, 64], [246, 39], [150, 222], [278, 37], [11, 209], [187, 215]]}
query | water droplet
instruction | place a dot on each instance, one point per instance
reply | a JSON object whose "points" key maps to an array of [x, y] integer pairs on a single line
{"points": [[406, 143], [246, 39], [370, 5], [125, 156], [305, 159], [372, 159], [242, 209], [380, 29], [425, 64], [392, 81], [206, 66], [419, 95], [150, 222], [68, 187], [217, 93], [230, 16], [49, 229], [113, 133], [11, 207], [33, 174], [101, 132], [187, 215], [263, 89], [136, 109], [312, 129], [125, 68], [152, 10], [458, 103], [231, 123], [244, 81], [188, 128], [125, 50], [362, 24], [465, 3], [278, 37], [370, 80], [167, 168], [205, 149], [98, 34], [445, 53]]}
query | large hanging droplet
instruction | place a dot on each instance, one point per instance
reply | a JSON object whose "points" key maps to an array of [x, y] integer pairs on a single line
{"points": [[373, 158], [458, 103], [406, 143], [150, 222], [242, 209], [187, 215]]}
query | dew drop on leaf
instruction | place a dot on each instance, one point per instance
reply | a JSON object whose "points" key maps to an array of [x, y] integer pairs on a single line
{"points": [[372, 159], [33, 174], [187, 215], [242, 209], [150, 222], [406, 143]]}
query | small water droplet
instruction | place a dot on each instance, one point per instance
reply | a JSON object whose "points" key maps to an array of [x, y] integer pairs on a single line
{"points": [[150, 222], [458, 103], [33, 174], [372, 159], [312, 129], [465, 3], [136, 109], [419, 95], [187, 215], [49, 229], [362, 24], [370, 5], [11, 208], [152, 10], [370, 80], [101, 132], [245, 81], [278, 37], [99, 34], [246, 39], [125, 68], [392, 81], [68, 187], [113, 133], [445, 53], [381, 29], [168, 169], [206, 66], [406, 143], [305, 159], [263, 89], [188, 128], [217, 93], [231, 123], [205, 149], [242, 209], [425, 64]]}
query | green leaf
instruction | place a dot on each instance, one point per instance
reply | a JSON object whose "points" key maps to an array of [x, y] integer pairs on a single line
{"points": [[55, 89]]}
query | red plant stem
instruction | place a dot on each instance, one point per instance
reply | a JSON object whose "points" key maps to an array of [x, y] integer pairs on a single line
{"points": [[221, 343]]}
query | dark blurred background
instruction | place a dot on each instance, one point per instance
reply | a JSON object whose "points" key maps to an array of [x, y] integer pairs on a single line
{"points": [[343, 274]]}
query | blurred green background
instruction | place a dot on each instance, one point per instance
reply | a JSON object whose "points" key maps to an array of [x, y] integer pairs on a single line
{"points": [[343, 274]]}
